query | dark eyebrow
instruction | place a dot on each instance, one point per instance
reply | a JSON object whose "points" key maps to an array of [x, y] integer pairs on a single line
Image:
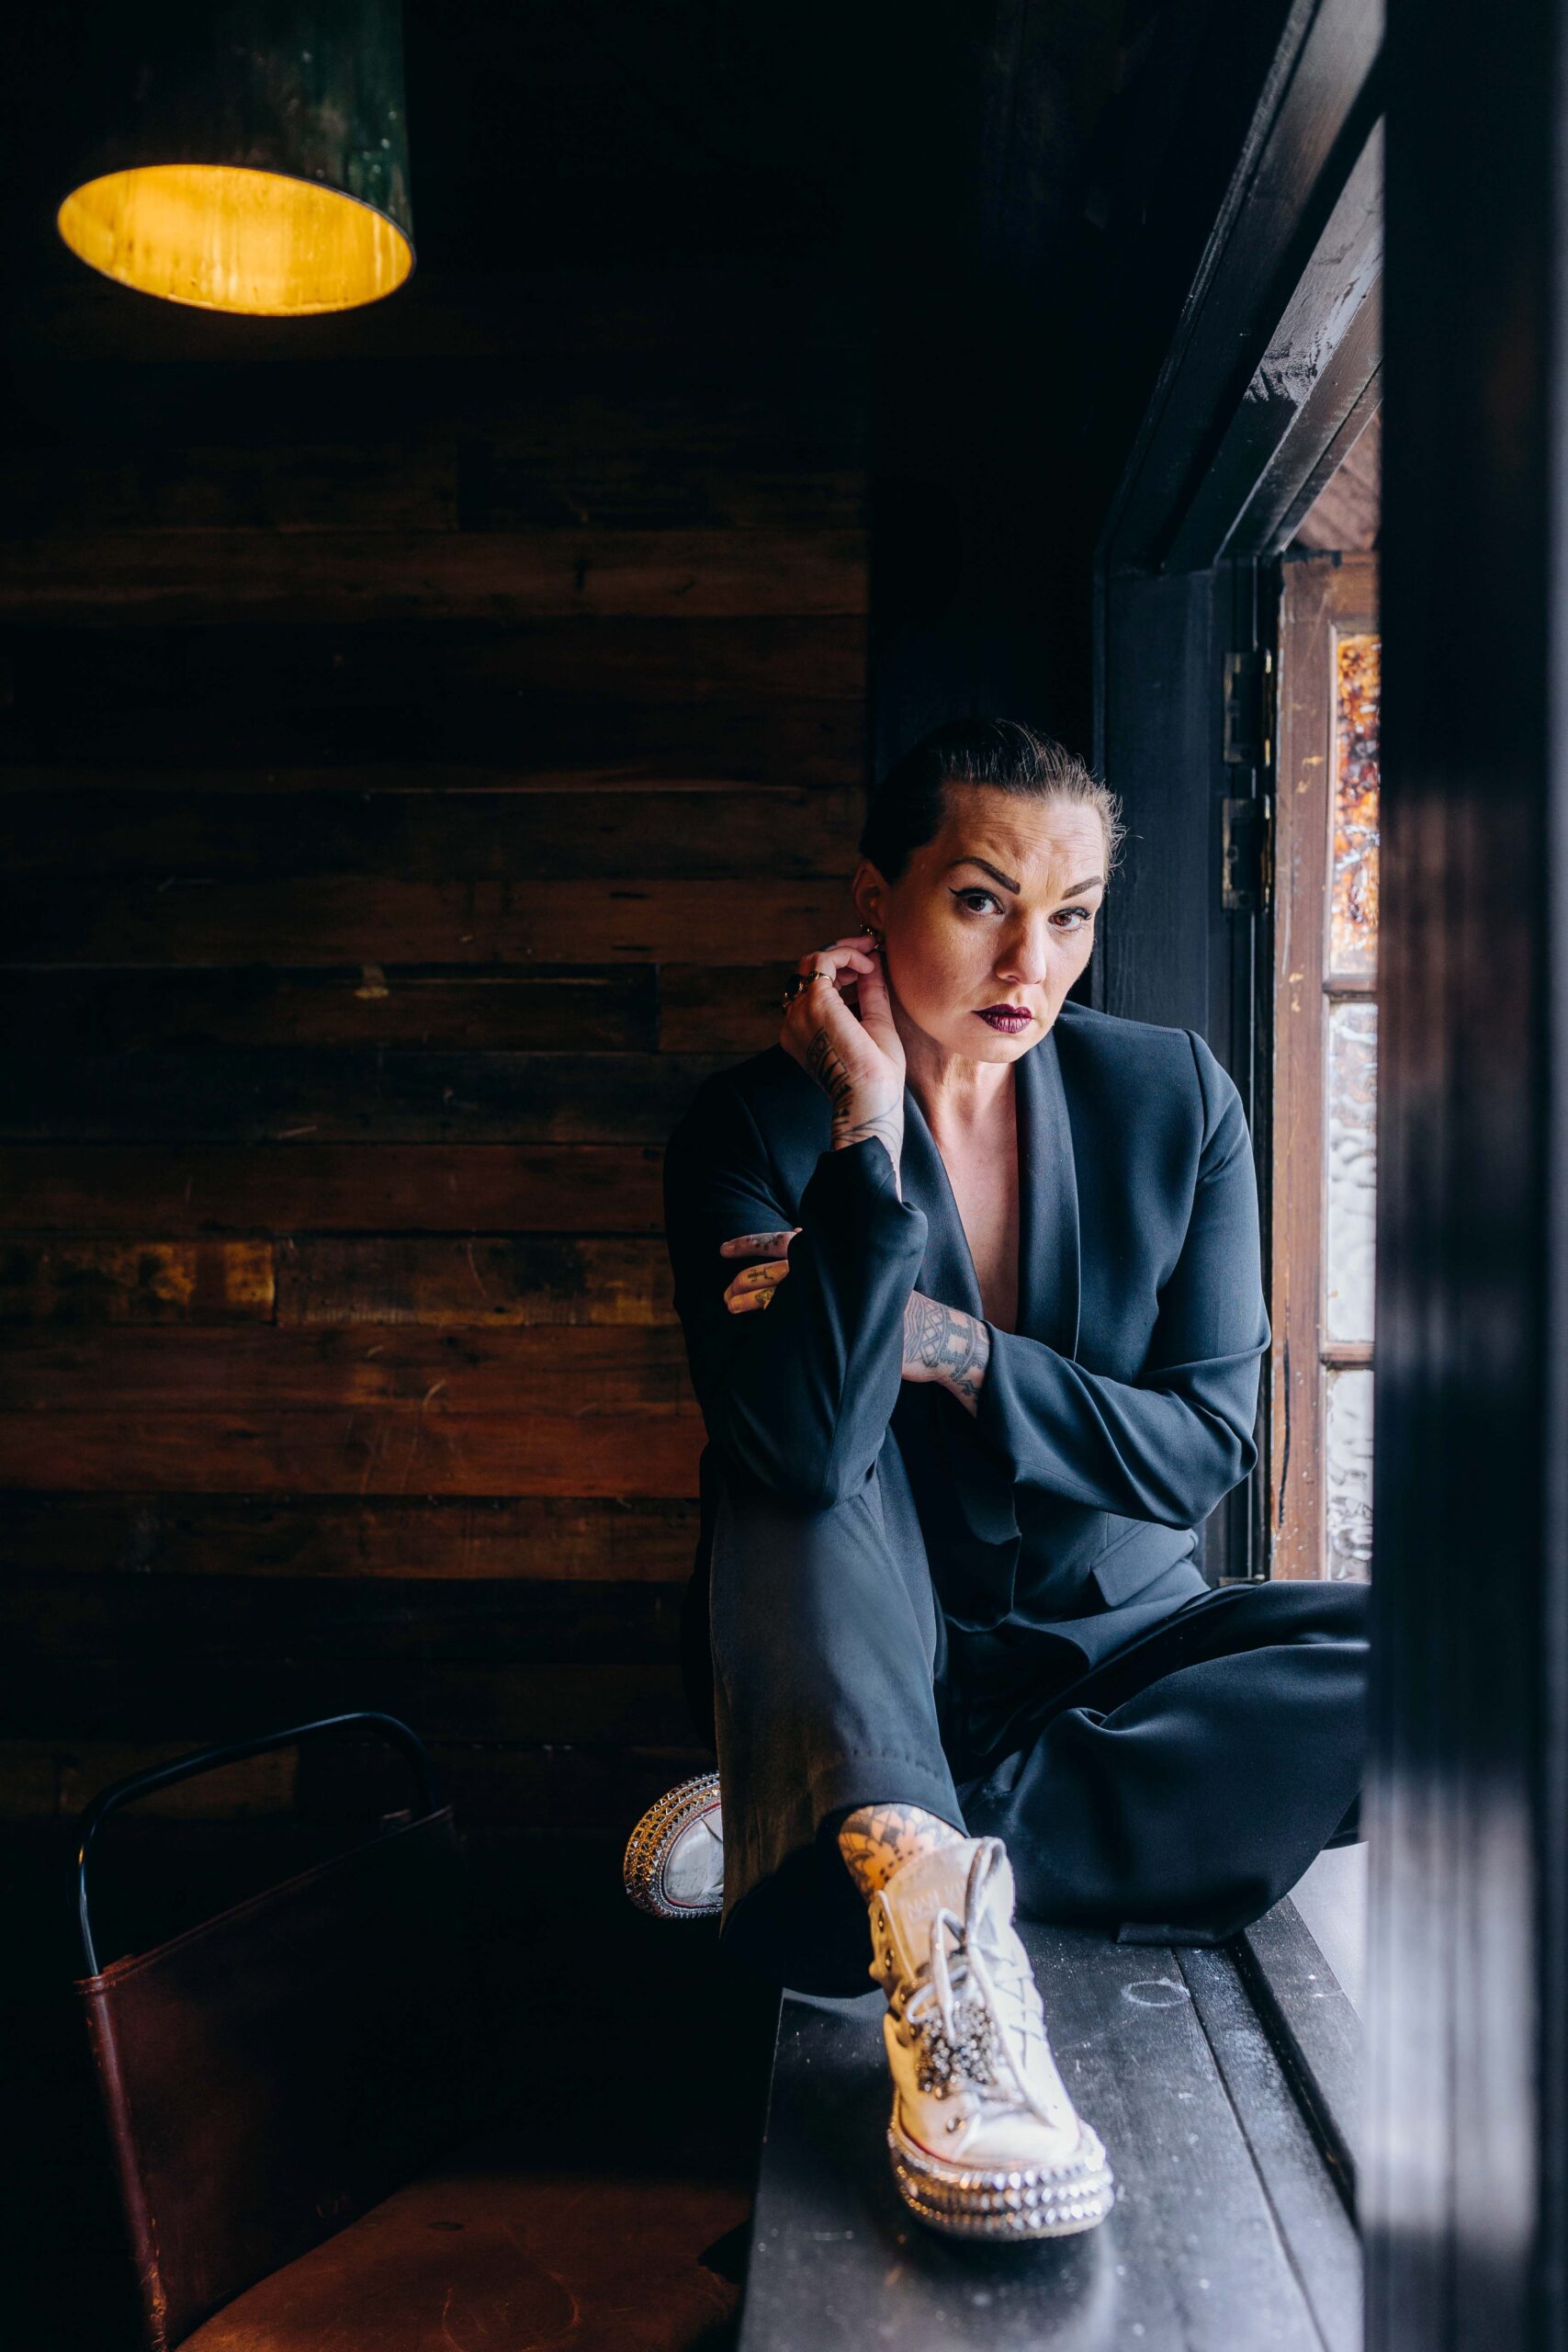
{"points": [[1008, 883], [1004, 879]]}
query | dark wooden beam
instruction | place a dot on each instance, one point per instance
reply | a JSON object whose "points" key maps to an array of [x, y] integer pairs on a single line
{"points": [[1318, 373], [1463, 2203], [1288, 268]]}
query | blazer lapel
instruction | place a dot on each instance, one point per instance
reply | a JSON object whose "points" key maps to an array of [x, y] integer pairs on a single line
{"points": [[947, 1271], [1048, 1273]]}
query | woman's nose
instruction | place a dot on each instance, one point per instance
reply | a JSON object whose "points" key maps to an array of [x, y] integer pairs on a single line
{"points": [[1026, 956]]}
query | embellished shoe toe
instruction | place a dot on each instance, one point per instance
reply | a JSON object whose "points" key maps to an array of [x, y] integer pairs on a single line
{"points": [[984, 2139], [674, 1858]]}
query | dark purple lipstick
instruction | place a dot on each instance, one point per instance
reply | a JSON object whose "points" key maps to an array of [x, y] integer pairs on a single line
{"points": [[1008, 1018]]}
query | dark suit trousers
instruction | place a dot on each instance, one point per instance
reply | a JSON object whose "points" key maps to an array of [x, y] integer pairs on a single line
{"points": [[1175, 1790]]}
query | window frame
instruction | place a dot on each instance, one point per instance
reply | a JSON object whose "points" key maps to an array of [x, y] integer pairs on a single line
{"points": [[1323, 598]]}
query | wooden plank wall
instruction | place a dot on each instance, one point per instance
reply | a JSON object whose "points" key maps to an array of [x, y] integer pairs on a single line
{"points": [[428, 736]]}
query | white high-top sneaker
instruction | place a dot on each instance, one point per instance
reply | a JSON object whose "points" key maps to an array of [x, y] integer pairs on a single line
{"points": [[984, 2139], [674, 1858]]}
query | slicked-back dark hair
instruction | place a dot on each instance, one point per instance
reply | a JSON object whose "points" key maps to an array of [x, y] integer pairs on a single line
{"points": [[908, 807]]}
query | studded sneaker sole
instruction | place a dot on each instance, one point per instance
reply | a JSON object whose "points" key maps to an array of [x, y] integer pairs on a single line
{"points": [[651, 1849], [1017, 2201]]}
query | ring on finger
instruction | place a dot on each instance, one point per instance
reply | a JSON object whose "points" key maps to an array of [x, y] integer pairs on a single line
{"points": [[798, 980]]}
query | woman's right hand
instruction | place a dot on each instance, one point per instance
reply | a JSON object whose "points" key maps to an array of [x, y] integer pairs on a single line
{"points": [[857, 1058]]}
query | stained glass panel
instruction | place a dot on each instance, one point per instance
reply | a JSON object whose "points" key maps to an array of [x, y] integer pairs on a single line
{"points": [[1347, 1490], [1352, 1106], [1353, 888]]}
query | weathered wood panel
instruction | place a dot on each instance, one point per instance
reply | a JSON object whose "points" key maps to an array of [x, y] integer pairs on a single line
{"points": [[623, 1538], [479, 1280], [354, 919], [604, 1366], [97, 1010], [728, 1007], [419, 777], [678, 1008], [554, 1282], [90, 1281], [407, 485], [655, 461], [784, 737], [330, 577], [621, 1283], [443, 1622], [325, 1188], [711, 322], [766, 410], [452, 836], [226, 680], [649, 1452], [216, 1695], [327, 1095], [402, 824]]}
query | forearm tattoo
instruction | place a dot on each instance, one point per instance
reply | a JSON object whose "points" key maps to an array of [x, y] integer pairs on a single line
{"points": [[943, 1343], [875, 1838], [826, 1065]]}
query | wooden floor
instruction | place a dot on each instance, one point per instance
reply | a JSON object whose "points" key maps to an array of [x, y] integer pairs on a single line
{"points": [[1229, 2234]]}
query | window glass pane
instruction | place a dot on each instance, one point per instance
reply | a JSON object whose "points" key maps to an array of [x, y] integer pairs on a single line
{"points": [[1353, 891], [1347, 1493], [1352, 1169]]}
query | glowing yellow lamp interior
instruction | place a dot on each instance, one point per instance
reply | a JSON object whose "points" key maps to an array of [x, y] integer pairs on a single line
{"points": [[228, 239]]}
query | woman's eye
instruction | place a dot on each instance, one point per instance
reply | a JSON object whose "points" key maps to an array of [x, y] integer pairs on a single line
{"points": [[989, 897]]}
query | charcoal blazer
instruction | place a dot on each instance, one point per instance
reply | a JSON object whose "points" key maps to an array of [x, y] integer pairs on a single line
{"points": [[1110, 1422]]}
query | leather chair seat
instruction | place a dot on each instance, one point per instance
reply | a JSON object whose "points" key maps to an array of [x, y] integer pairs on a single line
{"points": [[486, 2254]]}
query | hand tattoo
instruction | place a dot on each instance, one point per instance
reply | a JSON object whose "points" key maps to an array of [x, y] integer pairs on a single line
{"points": [[945, 1344], [827, 1066]]}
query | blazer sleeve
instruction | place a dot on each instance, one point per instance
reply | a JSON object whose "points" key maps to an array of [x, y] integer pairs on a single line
{"points": [[800, 1393], [1168, 1445]]}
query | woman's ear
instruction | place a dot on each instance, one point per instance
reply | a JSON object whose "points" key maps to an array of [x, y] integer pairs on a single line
{"points": [[867, 894]]}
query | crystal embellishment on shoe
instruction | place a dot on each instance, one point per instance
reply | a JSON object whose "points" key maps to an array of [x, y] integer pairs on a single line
{"points": [[984, 2139], [674, 1858], [974, 2057]]}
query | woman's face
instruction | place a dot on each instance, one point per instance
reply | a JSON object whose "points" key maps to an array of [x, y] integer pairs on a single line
{"points": [[997, 911]]}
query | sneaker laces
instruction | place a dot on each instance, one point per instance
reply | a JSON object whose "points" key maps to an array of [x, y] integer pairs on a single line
{"points": [[995, 1977]]}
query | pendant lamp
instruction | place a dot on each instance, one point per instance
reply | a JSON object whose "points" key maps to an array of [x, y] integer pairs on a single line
{"points": [[261, 165]]}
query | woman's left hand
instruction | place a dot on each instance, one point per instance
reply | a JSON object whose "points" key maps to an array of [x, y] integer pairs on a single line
{"points": [[753, 1286]]}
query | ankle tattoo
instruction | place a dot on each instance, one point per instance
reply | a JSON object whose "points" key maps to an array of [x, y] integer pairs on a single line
{"points": [[875, 1838]]}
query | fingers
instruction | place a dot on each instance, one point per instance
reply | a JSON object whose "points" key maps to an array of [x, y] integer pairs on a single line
{"points": [[839, 1027], [757, 1245], [872, 989], [841, 959], [843, 964], [754, 1286]]}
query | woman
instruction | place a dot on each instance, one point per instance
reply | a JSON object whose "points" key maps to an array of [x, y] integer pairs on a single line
{"points": [[970, 1283]]}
